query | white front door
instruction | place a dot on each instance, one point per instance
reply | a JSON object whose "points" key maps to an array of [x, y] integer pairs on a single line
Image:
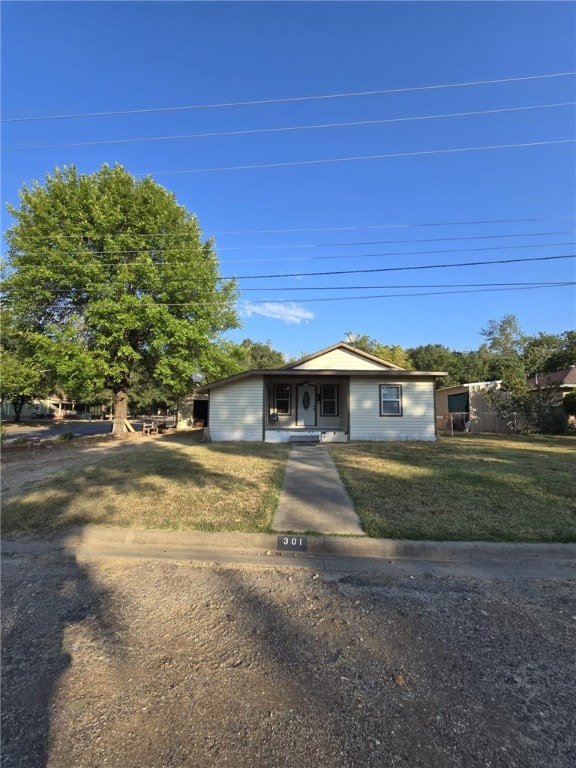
{"points": [[306, 415]]}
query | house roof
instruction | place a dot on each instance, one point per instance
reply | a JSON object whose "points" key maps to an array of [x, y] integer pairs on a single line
{"points": [[469, 384], [348, 348], [565, 378], [293, 371]]}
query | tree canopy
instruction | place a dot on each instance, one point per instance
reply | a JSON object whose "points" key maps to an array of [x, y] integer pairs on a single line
{"points": [[110, 275]]}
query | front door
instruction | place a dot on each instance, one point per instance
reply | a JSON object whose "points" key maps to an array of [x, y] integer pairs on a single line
{"points": [[306, 416]]}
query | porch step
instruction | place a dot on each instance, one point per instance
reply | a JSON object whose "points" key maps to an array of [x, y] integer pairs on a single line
{"points": [[305, 439]]}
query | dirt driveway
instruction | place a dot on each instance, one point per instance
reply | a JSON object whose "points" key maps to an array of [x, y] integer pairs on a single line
{"points": [[147, 664], [23, 469]]}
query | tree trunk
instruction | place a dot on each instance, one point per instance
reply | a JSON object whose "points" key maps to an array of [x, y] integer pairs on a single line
{"points": [[18, 404], [120, 412]]}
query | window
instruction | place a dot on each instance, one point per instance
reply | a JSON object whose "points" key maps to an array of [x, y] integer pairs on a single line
{"points": [[390, 400], [282, 398], [329, 400]]}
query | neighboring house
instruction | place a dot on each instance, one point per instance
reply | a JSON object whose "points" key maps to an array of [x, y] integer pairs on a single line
{"points": [[465, 407], [335, 395], [49, 407], [561, 381], [52, 407]]}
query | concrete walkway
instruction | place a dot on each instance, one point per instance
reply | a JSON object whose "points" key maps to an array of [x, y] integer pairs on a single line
{"points": [[313, 498]]}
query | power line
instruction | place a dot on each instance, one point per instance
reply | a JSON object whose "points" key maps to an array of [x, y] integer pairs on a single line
{"points": [[252, 131], [512, 287], [368, 287], [399, 269], [411, 285], [388, 242], [384, 156], [357, 256], [131, 251], [292, 163], [319, 229], [139, 265], [289, 99], [427, 293], [385, 226]]}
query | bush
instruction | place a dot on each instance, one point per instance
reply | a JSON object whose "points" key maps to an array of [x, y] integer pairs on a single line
{"points": [[19, 441], [66, 436], [569, 403]]}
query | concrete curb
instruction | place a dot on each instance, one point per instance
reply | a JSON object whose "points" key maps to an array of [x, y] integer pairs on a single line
{"points": [[330, 553]]}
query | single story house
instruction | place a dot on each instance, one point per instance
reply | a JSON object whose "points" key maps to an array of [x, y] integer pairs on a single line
{"points": [[335, 395], [466, 407]]}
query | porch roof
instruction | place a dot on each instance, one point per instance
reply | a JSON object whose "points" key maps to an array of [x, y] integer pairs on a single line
{"points": [[314, 373]]}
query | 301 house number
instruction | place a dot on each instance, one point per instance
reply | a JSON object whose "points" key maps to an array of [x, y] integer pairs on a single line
{"points": [[292, 543]]}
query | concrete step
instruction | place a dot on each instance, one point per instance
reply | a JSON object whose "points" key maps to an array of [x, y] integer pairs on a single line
{"points": [[305, 439]]}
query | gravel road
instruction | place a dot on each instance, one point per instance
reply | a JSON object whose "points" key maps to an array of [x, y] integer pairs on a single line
{"points": [[140, 663]]}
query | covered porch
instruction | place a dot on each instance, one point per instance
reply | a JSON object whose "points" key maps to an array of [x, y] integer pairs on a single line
{"points": [[309, 408]]}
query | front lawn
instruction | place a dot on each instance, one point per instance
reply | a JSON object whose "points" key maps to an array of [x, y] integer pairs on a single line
{"points": [[164, 483], [468, 488]]}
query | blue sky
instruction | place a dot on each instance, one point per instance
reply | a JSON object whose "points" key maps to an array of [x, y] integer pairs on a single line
{"points": [[419, 206]]}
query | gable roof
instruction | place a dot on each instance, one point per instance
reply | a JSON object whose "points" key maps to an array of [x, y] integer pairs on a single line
{"points": [[347, 348], [293, 370]]}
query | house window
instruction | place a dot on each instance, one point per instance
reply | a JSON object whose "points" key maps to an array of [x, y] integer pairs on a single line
{"points": [[283, 398], [390, 400], [329, 400]]}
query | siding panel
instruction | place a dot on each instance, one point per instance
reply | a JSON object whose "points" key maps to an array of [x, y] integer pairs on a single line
{"points": [[236, 411], [416, 423], [342, 360]]}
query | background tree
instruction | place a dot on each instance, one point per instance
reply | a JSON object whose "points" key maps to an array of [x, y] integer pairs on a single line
{"points": [[394, 353], [560, 351], [518, 357], [260, 356], [115, 272], [23, 376]]}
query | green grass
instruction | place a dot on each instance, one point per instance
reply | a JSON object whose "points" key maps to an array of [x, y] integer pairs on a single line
{"points": [[468, 488], [170, 484]]}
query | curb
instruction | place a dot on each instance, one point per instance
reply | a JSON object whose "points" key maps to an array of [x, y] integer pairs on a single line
{"points": [[330, 553]]}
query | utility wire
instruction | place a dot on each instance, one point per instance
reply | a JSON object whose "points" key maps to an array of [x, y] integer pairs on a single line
{"points": [[252, 131], [198, 305], [381, 269], [140, 265], [385, 226], [412, 286], [399, 269], [388, 242], [427, 293], [315, 229], [154, 250], [289, 99], [292, 163]]}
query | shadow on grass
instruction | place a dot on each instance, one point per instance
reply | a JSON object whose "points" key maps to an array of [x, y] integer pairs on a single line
{"points": [[509, 489], [165, 483]]}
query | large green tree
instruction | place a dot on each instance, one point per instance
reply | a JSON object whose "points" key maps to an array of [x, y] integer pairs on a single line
{"points": [[110, 275]]}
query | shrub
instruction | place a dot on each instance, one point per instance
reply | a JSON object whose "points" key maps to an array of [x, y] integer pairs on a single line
{"points": [[66, 436]]}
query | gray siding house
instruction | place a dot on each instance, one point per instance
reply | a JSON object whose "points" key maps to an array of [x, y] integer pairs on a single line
{"points": [[335, 395]]}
